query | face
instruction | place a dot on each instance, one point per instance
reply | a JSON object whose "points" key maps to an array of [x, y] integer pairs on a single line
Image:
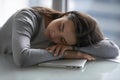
{"points": [[61, 31]]}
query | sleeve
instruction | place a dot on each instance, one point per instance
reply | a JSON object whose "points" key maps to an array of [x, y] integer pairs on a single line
{"points": [[104, 49], [23, 29]]}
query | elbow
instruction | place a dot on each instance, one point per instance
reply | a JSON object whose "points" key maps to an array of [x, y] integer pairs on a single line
{"points": [[19, 61], [113, 52], [19, 64]]}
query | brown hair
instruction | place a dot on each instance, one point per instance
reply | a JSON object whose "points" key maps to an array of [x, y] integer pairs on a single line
{"points": [[87, 28], [49, 14]]}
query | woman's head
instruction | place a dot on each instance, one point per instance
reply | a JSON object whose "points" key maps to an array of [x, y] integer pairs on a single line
{"points": [[74, 28], [62, 31], [71, 28]]}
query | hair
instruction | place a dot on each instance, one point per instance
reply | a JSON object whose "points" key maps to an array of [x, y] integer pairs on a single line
{"points": [[49, 14], [87, 29]]}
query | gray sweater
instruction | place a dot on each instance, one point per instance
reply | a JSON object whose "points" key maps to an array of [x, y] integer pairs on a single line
{"points": [[22, 35]]}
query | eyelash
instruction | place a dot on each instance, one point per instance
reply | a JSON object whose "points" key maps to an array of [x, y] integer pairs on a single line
{"points": [[61, 28]]}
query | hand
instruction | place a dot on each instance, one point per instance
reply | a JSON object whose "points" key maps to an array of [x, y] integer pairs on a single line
{"points": [[58, 50], [78, 55], [86, 56]]}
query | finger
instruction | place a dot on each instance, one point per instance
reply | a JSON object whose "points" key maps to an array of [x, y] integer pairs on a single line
{"points": [[47, 48], [88, 57], [63, 50], [51, 49], [92, 58], [57, 50]]}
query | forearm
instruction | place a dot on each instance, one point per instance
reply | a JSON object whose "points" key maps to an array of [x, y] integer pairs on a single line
{"points": [[104, 49], [30, 57]]}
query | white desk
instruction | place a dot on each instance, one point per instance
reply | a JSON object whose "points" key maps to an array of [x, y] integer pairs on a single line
{"points": [[95, 70]]}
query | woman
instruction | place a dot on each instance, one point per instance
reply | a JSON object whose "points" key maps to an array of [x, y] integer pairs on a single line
{"points": [[38, 34]]}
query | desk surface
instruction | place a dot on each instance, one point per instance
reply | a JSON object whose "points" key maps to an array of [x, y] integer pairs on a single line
{"points": [[95, 70]]}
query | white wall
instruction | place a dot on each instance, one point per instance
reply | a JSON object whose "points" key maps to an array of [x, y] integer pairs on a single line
{"points": [[8, 7]]}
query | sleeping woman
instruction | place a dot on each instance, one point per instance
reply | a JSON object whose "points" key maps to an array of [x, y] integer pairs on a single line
{"points": [[39, 34]]}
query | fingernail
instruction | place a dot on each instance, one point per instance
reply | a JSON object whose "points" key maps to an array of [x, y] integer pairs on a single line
{"points": [[49, 51], [55, 54]]}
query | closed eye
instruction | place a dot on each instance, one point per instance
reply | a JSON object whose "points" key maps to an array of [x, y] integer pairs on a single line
{"points": [[61, 28]]}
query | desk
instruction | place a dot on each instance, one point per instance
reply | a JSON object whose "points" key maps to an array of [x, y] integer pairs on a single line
{"points": [[95, 70]]}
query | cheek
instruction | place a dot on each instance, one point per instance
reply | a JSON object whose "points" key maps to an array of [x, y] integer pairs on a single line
{"points": [[52, 27]]}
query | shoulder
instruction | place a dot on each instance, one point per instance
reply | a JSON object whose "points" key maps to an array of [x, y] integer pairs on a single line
{"points": [[28, 16], [27, 13]]}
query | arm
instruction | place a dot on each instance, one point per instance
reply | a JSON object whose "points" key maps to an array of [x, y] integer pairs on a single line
{"points": [[23, 29], [104, 49], [68, 53]]}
